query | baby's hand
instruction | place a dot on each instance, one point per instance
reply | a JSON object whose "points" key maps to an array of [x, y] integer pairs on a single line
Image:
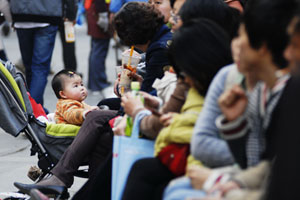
{"points": [[88, 109], [94, 108]]}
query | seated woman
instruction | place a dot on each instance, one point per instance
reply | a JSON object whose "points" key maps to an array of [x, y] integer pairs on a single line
{"points": [[148, 34], [249, 142], [182, 13], [148, 177]]}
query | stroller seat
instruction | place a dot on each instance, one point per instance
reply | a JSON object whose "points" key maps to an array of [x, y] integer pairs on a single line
{"points": [[49, 141]]}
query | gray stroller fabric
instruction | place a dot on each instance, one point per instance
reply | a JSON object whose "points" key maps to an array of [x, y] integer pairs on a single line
{"points": [[13, 118], [55, 146]]}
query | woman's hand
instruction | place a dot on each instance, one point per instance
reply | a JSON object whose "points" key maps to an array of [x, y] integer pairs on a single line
{"points": [[149, 100], [166, 119], [120, 128], [130, 103], [136, 77], [116, 84], [233, 103], [198, 175], [225, 187]]}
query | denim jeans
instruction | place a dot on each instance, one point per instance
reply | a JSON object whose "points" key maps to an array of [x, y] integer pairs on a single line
{"points": [[36, 46], [97, 75]]}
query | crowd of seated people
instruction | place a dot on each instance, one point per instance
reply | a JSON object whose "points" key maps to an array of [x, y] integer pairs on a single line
{"points": [[234, 104]]}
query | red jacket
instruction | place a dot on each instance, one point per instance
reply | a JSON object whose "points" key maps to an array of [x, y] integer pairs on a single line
{"points": [[94, 30]]}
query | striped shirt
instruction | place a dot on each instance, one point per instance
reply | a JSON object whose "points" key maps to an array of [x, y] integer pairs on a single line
{"points": [[70, 111]]}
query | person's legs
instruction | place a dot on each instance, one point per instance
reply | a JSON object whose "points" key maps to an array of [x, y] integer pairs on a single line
{"points": [[69, 56], [44, 39], [147, 180], [2, 50], [25, 38], [99, 185], [112, 103], [97, 80], [94, 139]]}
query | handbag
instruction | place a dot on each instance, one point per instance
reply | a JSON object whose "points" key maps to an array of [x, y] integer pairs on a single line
{"points": [[174, 156], [126, 151]]}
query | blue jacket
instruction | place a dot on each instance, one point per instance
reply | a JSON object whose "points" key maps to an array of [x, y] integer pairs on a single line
{"points": [[156, 57], [115, 5], [206, 144]]}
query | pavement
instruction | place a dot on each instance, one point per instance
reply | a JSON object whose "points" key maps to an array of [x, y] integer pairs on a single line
{"points": [[15, 158]]}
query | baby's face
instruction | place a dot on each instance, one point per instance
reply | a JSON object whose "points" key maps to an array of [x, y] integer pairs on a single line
{"points": [[74, 89]]}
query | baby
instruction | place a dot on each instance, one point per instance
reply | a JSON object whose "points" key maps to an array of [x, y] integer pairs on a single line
{"points": [[69, 89]]}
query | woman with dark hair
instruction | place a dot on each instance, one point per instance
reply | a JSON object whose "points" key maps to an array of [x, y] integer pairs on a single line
{"points": [[141, 25], [218, 11], [148, 177]]}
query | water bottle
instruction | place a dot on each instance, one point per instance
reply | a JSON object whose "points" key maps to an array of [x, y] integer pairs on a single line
{"points": [[135, 88]]}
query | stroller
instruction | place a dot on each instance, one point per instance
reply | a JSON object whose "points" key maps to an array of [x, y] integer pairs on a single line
{"points": [[49, 141]]}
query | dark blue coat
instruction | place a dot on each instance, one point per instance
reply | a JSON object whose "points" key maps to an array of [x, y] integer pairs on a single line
{"points": [[156, 57]]}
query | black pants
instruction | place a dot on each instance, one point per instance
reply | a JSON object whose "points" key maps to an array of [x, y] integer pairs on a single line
{"points": [[93, 143], [99, 185], [69, 56], [147, 180], [112, 103]]}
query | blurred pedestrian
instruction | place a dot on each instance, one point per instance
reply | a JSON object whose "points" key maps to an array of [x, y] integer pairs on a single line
{"points": [[99, 30], [115, 6], [68, 47], [36, 22], [5, 17]]}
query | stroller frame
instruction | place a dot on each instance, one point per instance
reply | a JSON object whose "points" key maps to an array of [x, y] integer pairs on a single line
{"points": [[14, 99]]}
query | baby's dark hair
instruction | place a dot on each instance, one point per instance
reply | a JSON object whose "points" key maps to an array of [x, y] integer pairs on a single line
{"points": [[58, 80]]}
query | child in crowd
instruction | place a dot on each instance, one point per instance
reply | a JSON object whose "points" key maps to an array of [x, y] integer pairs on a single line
{"points": [[70, 91]]}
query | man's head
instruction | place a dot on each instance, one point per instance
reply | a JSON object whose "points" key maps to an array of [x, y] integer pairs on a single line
{"points": [[66, 84], [137, 22], [264, 30]]}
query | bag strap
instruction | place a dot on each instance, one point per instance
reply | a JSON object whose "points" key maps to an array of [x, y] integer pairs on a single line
{"points": [[136, 124]]}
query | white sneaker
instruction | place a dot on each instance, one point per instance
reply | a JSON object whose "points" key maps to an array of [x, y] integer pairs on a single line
{"points": [[108, 92]]}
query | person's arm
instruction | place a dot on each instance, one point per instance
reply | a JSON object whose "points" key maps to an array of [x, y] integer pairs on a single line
{"points": [[206, 144], [5, 9], [73, 113], [155, 61], [150, 125], [71, 7], [101, 6], [242, 194], [253, 177], [235, 133]]}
